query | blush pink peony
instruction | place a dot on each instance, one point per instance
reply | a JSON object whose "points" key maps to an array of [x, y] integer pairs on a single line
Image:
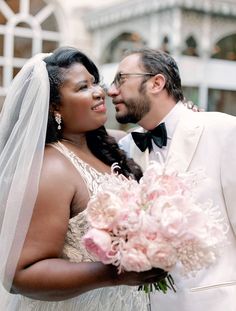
{"points": [[134, 260], [155, 223], [98, 243]]}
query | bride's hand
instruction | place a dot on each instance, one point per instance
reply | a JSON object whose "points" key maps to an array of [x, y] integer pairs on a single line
{"points": [[139, 278]]}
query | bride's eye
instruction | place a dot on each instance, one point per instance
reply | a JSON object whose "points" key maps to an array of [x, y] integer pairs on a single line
{"points": [[81, 87]]}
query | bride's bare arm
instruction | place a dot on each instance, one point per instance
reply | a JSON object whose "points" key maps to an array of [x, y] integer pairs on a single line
{"points": [[41, 273]]}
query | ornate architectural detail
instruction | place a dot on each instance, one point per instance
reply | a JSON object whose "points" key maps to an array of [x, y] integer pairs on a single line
{"points": [[176, 19], [133, 9], [191, 30]]}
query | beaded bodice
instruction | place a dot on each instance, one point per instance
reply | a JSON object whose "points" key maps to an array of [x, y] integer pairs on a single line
{"points": [[73, 248]]}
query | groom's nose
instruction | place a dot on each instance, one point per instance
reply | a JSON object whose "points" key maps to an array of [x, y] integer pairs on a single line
{"points": [[112, 90]]}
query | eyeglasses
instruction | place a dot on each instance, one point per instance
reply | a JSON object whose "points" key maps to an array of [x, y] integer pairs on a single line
{"points": [[120, 77]]}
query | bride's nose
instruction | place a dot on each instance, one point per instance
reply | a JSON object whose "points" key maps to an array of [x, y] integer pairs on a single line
{"points": [[98, 92]]}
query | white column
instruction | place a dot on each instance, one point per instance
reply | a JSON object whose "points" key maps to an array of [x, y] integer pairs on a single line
{"points": [[205, 48], [98, 45], [175, 43], [154, 38], [203, 96], [205, 53]]}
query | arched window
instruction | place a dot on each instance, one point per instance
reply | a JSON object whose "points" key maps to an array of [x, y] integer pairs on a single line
{"points": [[120, 44], [225, 48], [190, 47], [27, 27]]}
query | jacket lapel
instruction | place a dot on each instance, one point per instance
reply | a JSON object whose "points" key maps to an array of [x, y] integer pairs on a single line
{"points": [[184, 142]]}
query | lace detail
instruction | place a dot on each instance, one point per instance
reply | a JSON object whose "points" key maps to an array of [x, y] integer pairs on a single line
{"points": [[73, 249], [118, 298], [91, 177]]}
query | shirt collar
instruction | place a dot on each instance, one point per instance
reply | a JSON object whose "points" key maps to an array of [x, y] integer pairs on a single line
{"points": [[172, 118]]}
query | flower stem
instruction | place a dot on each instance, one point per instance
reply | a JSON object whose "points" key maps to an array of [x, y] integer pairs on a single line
{"points": [[163, 285]]}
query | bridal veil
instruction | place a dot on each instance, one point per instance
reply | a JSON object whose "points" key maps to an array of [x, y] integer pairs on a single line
{"points": [[23, 124]]}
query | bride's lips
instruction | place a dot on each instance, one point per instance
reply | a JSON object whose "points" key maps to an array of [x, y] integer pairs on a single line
{"points": [[99, 107]]}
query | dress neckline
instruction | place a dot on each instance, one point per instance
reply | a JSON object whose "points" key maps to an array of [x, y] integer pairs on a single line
{"points": [[70, 152]]}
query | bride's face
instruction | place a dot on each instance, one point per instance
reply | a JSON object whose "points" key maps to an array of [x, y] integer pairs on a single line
{"points": [[82, 105]]}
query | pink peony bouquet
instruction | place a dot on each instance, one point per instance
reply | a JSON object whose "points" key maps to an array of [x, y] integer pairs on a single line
{"points": [[155, 223]]}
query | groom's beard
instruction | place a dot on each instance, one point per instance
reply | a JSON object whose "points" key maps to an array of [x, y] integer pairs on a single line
{"points": [[136, 109]]}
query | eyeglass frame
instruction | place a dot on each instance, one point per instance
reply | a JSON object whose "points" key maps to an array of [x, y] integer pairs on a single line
{"points": [[119, 75]]}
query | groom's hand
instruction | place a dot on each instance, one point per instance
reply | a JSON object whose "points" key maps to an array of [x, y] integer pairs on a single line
{"points": [[190, 105]]}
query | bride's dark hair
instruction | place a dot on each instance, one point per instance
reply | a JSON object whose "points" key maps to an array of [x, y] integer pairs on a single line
{"points": [[103, 146]]}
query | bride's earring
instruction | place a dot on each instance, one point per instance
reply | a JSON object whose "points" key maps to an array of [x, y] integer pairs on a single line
{"points": [[58, 120]]}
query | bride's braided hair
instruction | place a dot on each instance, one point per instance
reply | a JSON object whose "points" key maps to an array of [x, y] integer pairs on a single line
{"points": [[103, 146]]}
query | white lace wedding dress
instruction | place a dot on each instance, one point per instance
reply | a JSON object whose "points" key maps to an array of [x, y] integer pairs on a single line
{"points": [[118, 298]]}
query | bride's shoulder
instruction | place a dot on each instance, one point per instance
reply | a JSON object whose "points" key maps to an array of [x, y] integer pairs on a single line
{"points": [[55, 163]]}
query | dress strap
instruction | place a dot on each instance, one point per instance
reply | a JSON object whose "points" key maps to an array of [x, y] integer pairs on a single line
{"points": [[89, 175]]}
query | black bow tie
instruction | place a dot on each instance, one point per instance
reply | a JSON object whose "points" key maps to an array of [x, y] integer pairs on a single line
{"points": [[144, 140]]}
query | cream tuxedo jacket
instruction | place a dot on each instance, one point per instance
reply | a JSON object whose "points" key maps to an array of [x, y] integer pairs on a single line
{"points": [[205, 140]]}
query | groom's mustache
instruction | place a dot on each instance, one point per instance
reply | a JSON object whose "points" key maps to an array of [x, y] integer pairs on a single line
{"points": [[116, 102]]}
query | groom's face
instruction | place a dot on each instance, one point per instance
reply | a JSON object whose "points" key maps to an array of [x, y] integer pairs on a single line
{"points": [[128, 91]]}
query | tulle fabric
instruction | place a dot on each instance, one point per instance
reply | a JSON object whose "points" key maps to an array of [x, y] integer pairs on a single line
{"points": [[23, 123]]}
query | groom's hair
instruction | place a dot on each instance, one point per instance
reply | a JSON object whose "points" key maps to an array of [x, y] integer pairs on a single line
{"points": [[159, 62]]}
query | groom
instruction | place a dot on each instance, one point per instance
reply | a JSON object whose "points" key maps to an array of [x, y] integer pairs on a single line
{"points": [[147, 90]]}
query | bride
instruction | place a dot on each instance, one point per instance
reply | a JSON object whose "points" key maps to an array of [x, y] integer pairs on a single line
{"points": [[54, 151]]}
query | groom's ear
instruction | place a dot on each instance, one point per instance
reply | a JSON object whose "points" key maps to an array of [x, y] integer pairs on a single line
{"points": [[158, 83]]}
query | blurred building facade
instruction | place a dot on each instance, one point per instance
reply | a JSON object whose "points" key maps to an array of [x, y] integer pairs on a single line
{"points": [[200, 34], [28, 27]]}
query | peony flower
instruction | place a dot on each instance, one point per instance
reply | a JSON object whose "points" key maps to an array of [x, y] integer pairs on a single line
{"points": [[173, 185], [98, 243], [173, 223], [128, 222], [103, 210], [136, 241], [161, 254], [149, 226], [134, 260]]}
